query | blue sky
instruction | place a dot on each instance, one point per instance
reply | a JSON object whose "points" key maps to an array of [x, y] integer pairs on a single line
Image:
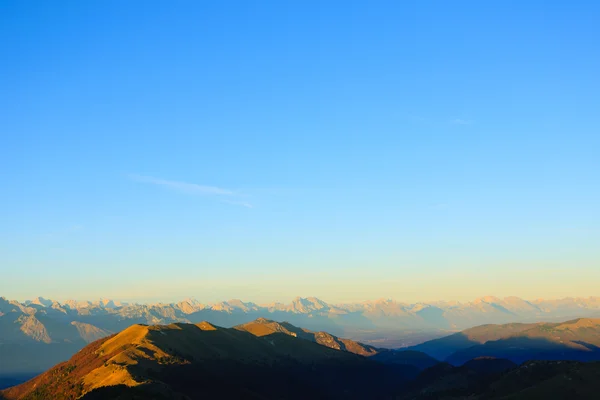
{"points": [[262, 150]]}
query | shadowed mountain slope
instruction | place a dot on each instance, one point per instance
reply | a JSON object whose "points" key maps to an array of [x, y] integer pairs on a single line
{"points": [[405, 357], [547, 380], [489, 365], [499, 379], [444, 380], [443, 347], [571, 340]]}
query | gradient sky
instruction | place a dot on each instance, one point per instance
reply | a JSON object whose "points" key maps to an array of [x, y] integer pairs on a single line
{"points": [[261, 150]]}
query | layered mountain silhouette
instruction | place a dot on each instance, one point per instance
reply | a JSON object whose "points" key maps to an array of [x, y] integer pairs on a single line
{"points": [[577, 339], [40, 333], [265, 359], [261, 360]]}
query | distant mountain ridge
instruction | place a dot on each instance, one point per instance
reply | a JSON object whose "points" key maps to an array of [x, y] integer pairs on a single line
{"points": [[452, 315]]}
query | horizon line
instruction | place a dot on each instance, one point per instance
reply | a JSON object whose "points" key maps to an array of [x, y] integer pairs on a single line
{"points": [[263, 304]]}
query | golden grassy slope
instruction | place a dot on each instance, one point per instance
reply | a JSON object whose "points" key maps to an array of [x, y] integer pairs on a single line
{"points": [[264, 327]]}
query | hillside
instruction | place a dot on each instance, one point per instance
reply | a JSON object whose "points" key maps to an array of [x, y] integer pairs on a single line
{"points": [[546, 380], [179, 360], [444, 381], [443, 347], [489, 379], [577, 339], [263, 326], [405, 357]]}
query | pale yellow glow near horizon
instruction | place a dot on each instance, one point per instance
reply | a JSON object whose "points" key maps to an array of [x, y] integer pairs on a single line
{"points": [[353, 287]]}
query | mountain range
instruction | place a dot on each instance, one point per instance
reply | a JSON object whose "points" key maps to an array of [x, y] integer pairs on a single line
{"points": [[266, 359], [39, 333]]}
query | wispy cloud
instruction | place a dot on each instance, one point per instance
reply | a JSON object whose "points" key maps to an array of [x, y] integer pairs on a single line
{"points": [[194, 189], [460, 121], [239, 203]]}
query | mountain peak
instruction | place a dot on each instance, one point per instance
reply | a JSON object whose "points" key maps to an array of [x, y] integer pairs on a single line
{"points": [[207, 326], [305, 305], [487, 299], [263, 327], [382, 300], [40, 301]]}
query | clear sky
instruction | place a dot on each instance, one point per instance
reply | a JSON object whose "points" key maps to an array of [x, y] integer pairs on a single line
{"points": [[262, 150]]}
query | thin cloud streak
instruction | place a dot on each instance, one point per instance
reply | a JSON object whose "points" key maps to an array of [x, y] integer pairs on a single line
{"points": [[460, 121], [185, 187], [239, 203], [192, 188]]}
